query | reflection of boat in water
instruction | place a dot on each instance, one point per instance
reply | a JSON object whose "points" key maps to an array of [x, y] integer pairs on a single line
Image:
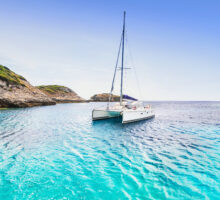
{"points": [[129, 108]]}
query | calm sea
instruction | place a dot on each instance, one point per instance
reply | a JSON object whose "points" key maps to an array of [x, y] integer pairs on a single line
{"points": [[57, 152]]}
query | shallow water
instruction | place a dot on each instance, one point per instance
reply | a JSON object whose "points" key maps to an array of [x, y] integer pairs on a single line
{"points": [[57, 152]]}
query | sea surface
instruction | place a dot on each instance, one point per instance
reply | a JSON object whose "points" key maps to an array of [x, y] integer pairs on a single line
{"points": [[57, 152]]}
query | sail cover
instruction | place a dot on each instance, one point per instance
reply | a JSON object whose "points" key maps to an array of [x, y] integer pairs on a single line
{"points": [[129, 98]]}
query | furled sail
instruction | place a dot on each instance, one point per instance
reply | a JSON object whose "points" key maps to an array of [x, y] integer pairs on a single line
{"points": [[129, 98]]}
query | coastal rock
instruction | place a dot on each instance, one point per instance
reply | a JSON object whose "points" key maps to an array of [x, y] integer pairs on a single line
{"points": [[60, 94], [16, 91], [104, 97]]}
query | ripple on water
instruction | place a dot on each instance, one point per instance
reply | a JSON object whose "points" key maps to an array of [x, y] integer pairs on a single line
{"points": [[56, 152]]}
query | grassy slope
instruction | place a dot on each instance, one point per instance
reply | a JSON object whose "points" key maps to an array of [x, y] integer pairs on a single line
{"points": [[10, 77], [52, 89]]}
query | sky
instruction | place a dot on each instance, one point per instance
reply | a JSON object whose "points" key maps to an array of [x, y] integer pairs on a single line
{"points": [[173, 47]]}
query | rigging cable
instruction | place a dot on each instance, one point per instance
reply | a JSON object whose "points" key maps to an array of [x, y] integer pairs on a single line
{"points": [[132, 62], [116, 66]]}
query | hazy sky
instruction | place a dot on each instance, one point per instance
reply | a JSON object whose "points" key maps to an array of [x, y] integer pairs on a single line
{"points": [[175, 45]]}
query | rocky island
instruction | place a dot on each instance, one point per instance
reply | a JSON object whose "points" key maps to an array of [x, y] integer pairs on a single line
{"points": [[17, 92], [104, 97]]}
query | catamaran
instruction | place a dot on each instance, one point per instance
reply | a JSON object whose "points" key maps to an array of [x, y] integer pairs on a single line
{"points": [[129, 108]]}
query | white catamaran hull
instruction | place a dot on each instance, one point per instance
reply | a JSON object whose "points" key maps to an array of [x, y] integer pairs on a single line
{"points": [[127, 115], [104, 114], [133, 116]]}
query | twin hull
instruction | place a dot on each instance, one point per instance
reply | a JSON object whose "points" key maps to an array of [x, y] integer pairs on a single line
{"points": [[127, 115]]}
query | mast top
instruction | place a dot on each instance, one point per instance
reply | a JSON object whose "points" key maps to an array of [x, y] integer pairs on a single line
{"points": [[124, 19]]}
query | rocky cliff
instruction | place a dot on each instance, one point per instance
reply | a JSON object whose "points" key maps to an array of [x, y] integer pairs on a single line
{"points": [[104, 97], [16, 91], [60, 94]]}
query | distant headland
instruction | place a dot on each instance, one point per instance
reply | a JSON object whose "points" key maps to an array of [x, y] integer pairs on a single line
{"points": [[60, 94], [104, 97]]}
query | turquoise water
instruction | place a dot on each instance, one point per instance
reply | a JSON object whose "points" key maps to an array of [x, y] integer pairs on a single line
{"points": [[56, 152]]}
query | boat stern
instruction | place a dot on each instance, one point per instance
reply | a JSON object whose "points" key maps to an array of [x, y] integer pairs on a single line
{"points": [[98, 114], [136, 115]]}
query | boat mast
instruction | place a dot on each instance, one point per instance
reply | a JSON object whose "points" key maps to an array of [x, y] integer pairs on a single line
{"points": [[122, 59], [116, 67]]}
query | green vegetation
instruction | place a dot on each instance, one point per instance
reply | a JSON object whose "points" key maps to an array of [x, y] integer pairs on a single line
{"points": [[10, 77], [52, 89]]}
